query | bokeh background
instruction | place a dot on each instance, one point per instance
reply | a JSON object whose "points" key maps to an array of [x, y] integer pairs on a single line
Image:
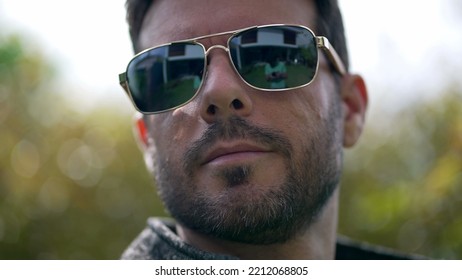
{"points": [[73, 184]]}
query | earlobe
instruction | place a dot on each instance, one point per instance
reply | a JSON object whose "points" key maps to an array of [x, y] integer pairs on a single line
{"points": [[355, 99], [140, 130]]}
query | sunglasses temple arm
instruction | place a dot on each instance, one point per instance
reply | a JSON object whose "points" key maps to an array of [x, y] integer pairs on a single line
{"points": [[332, 55], [123, 82]]}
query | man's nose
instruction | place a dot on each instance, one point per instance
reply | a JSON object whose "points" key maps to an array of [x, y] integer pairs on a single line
{"points": [[223, 93]]}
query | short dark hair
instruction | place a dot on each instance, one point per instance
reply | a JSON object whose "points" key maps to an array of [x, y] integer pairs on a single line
{"points": [[329, 23]]}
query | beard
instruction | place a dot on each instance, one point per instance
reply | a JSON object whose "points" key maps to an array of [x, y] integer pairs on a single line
{"points": [[252, 214]]}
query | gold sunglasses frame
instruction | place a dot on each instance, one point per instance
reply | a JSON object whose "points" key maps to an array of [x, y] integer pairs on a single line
{"points": [[321, 43]]}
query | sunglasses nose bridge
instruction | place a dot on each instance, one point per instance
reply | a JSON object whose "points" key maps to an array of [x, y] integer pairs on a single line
{"points": [[207, 52], [227, 50], [216, 47]]}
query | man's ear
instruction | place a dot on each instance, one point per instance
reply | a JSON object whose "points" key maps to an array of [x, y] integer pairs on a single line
{"points": [[140, 131], [354, 97]]}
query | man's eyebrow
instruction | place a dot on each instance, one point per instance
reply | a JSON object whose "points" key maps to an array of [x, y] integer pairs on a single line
{"points": [[178, 33]]}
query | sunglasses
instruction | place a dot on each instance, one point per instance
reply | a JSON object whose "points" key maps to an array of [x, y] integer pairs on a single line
{"points": [[272, 57]]}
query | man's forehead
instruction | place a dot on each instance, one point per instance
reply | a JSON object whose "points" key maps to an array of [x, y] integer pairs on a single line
{"points": [[172, 20]]}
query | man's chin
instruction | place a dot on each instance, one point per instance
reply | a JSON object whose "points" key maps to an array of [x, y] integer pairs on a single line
{"points": [[244, 212]]}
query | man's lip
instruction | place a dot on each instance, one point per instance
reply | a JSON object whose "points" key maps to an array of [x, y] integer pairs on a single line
{"points": [[228, 149]]}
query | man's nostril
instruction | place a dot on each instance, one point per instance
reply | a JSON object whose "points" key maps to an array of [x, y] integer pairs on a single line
{"points": [[211, 109], [237, 104]]}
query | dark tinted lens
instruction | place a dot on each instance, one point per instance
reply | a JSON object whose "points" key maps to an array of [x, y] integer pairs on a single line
{"points": [[165, 77], [276, 57]]}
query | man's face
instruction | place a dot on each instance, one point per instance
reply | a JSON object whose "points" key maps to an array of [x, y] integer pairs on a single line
{"points": [[235, 162]]}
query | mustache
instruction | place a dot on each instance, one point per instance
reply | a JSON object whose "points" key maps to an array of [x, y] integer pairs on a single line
{"points": [[235, 128]]}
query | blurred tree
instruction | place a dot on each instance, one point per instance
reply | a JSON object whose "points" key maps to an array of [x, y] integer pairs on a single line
{"points": [[72, 186], [402, 186]]}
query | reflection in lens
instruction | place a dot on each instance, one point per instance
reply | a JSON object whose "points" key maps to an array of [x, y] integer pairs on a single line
{"points": [[166, 77], [275, 57]]}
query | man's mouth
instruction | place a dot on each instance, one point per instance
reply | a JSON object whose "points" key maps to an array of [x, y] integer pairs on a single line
{"points": [[224, 153]]}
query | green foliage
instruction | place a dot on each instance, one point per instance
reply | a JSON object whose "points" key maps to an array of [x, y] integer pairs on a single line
{"points": [[402, 185], [74, 185]]}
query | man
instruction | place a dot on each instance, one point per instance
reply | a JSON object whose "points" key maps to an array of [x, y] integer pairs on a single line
{"points": [[276, 74], [246, 171]]}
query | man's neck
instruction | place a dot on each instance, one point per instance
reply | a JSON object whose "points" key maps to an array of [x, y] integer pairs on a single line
{"points": [[316, 242]]}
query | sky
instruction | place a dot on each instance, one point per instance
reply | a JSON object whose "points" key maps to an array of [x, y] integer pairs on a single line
{"points": [[405, 49]]}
